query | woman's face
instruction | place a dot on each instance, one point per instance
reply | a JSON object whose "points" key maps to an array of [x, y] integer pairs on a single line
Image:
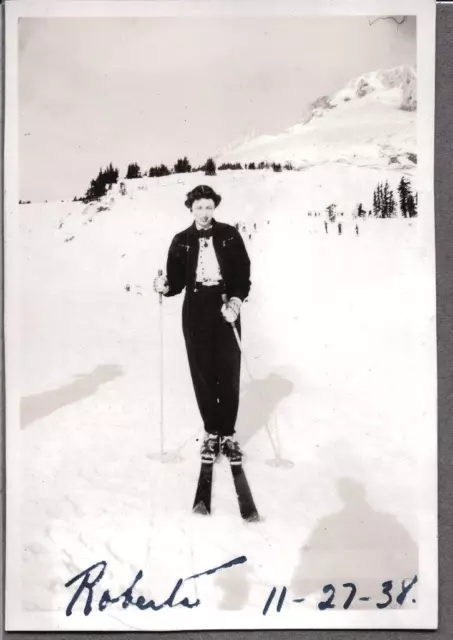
{"points": [[203, 211]]}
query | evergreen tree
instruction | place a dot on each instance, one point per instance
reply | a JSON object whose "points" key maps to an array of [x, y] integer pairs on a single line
{"points": [[385, 202], [157, 172], [133, 171], [380, 193], [235, 166], [210, 167], [251, 165], [376, 209], [182, 166], [95, 191], [404, 191], [382, 198], [392, 205], [110, 175], [384, 205], [98, 186], [412, 206], [276, 166], [378, 201]]}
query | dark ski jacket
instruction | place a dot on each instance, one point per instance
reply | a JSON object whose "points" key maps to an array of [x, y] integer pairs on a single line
{"points": [[231, 254]]}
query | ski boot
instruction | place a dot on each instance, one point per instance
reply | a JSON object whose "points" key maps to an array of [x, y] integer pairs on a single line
{"points": [[210, 448], [231, 450]]}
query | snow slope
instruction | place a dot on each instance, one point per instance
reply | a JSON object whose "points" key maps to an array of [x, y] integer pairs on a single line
{"points": [[370, 122], [336, 333]]}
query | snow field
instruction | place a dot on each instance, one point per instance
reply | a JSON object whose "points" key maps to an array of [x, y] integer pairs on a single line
{"points": [[333, 334]]}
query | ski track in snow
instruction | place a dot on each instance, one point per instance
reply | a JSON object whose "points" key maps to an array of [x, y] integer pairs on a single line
{"points": [[332, 333]]}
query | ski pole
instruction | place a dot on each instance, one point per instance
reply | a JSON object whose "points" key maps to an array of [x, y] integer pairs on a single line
{"points": [[266, 426], [161, 370], [239, 343], [169, 456], [238, 340]]}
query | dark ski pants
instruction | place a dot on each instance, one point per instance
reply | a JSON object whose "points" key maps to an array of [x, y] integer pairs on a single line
{"points": [[214, 359]]}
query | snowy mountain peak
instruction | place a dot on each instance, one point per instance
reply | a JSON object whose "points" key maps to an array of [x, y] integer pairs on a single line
{"points": [[395, 87], [369, 122], [399, 82]]}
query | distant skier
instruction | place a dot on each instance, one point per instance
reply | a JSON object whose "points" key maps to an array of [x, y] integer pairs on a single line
{"points": [[332, 216], [210, 261]]}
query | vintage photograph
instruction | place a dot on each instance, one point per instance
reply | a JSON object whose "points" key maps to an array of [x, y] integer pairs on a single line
{"points": [[220, 315]]}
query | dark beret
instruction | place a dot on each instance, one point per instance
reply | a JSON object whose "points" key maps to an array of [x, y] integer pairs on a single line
{"points": [[202, 191]]}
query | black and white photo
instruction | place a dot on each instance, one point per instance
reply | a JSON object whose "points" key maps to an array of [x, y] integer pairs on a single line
{"points": [[220, 315]]}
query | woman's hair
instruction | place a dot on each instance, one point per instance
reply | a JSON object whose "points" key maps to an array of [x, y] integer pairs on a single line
{"points": [[200, 192]]}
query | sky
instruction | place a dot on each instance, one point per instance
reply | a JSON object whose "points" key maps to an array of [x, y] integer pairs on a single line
{"points": [[150, 90]]}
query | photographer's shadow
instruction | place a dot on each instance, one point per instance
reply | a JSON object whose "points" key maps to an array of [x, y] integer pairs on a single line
{"points": [[357, 545], [40, 405]]}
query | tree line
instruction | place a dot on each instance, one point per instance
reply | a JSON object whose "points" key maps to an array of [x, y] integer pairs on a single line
{"points": [[99, 185], [385, 204]]}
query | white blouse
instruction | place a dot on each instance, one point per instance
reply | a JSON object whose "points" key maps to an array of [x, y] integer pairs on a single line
{"points": [[208, 270]]}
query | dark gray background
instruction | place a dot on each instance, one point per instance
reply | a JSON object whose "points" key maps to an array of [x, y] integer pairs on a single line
{"points": [[444, 259]]}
